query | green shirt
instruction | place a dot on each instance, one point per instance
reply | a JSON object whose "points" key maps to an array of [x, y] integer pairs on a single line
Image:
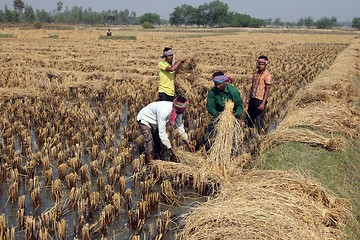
{"points": [[166, 84], [216, 100]]}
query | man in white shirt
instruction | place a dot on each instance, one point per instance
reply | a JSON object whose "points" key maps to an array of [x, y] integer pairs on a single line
{"points": [[155, 117]]}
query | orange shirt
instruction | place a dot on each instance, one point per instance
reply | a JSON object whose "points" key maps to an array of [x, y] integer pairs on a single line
{"points": [[259, 79]]}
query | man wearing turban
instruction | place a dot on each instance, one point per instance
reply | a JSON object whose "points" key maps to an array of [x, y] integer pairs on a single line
{"points": [[167, 69], [217, 97], [222, 92]]}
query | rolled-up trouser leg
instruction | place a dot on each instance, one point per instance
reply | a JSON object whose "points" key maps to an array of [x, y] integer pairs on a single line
{"points": [[148, 139]]}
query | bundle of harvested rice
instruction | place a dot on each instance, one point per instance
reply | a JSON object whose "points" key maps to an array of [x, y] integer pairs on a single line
{"points": [[188, 172], [283, 135], [269, 205], [335, 119], [188, 80], [325, 105], [226, 143]]}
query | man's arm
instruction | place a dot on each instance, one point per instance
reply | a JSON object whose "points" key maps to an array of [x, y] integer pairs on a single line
{"points": [[210, 104], [266, 95], [161, 122], [248, 96], [238, 103], [175, 66], [179, 126]]}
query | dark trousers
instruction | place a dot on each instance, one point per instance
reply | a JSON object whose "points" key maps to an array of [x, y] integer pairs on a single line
{"points": [[256, 116], [164, 97], [152, 140]]}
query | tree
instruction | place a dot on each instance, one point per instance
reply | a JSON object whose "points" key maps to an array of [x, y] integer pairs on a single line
{"points": [[29, 14], [236, 20], [18, 5], [76, 15], [277, 22], [59, 6], [256, 23], [356, 22], [176, 17], [183, 15], [10, 16], [325, 23], [2, 16], [214, 12], [308, 22], [42, 16], [124, 16], [133, 19], [153, 18]]}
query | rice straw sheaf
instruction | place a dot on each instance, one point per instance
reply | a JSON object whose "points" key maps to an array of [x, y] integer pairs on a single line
{"points": [[268, 205], [325, 105], [222, 161], [188, 170], [327, 117], [187, 79], [284, 135], [13, 93], [226, 143]]}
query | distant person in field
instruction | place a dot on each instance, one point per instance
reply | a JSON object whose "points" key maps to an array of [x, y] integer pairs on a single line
{"points": [[108, 33], [167, 69], [153, 120], [258, 95], [217, 97]]}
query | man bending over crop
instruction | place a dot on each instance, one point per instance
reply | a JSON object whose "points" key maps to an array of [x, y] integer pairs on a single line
{"points": [[258, 94], [167, 70], [153, 120]]}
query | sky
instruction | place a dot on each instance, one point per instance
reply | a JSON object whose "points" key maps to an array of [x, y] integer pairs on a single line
{"points": [[286, 10]]}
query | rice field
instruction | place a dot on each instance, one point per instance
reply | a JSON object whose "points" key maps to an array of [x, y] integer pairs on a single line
{"points": [[72, 163]]}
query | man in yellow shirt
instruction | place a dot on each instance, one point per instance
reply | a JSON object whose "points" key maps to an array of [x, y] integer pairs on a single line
{"points": [[167, 70]]}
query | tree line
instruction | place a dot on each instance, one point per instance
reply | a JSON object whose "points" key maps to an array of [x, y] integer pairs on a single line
{"points": [[213, 14]]}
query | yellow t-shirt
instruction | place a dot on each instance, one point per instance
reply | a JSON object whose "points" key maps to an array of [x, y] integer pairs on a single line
{"points": [[166, 84]]}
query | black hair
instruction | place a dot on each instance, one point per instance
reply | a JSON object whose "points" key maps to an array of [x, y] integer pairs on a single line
{"points": [[219, 73], [181, 99], [166, 49], [263, 57]]}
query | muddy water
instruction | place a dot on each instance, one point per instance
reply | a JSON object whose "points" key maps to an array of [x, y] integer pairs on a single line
{"points": [[118, 229]]}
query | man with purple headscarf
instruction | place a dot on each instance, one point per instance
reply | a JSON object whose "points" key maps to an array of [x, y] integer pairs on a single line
{"points": [[216, 99], [220, 93], [167, 69]]}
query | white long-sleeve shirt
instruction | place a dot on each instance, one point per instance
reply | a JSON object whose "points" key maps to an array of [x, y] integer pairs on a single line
{"points": [[157, 115]]}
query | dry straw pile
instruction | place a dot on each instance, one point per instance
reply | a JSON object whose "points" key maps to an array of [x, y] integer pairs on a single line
{"points": [[325, 105], [268, 205], [221, 162]]}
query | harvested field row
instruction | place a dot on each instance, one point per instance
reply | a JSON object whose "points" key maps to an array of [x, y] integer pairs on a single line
{"points": [[325, 105]]}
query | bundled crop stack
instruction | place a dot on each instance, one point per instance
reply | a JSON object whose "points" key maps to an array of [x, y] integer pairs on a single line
{"points": [[268, 205], [325, 105]]}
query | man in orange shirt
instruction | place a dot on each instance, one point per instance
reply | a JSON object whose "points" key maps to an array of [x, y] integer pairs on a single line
{"points": [[258, 94]]}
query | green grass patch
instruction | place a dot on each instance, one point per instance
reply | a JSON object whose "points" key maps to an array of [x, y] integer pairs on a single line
{"points": [[118, 37], [346, 44], [54, 36], [198, 35], [3, 35], [339, 171]]}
